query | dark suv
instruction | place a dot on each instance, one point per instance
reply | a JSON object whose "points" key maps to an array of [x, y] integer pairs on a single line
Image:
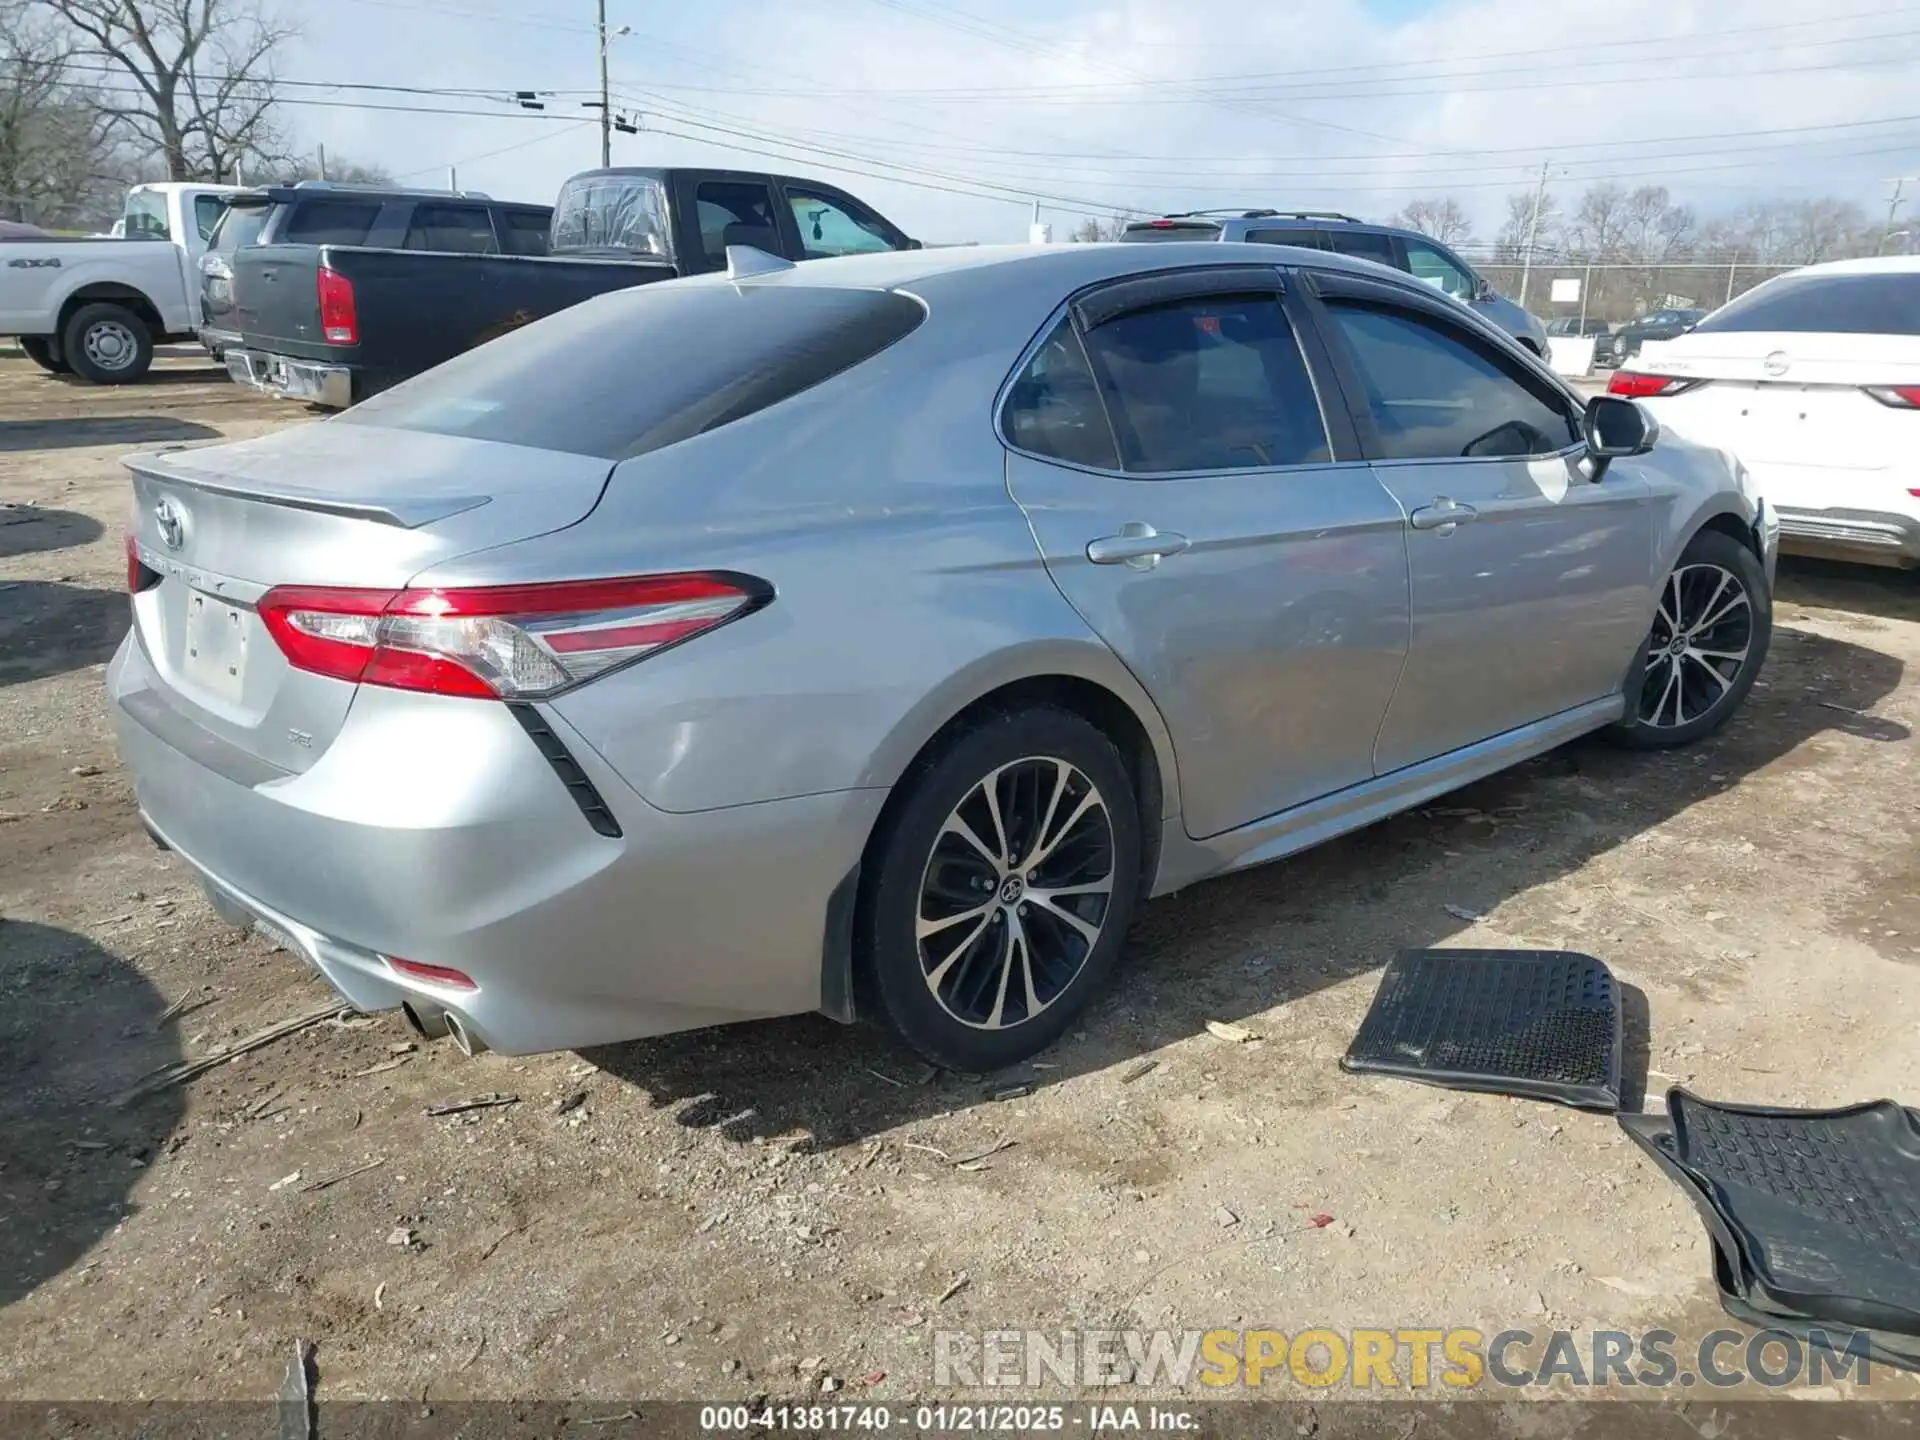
{"points": [[323, 212], [1420, 256]]}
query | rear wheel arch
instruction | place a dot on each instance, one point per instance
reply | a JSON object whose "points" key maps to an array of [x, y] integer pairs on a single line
{"points": [[113, 293]]}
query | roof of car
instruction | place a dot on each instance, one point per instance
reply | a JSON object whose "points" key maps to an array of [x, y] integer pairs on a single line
{"points": [[1075, 264], [1869, 265]]}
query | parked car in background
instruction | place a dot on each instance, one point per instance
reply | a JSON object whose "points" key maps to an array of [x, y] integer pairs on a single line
{"points": [[96, 307], [1578, 327], [342, 309], [1813, 380], [1420, 256], [1625, 341], [553, 694], [319, 212]]}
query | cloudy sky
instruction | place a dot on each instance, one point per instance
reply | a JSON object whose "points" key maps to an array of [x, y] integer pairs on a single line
{"points": [[952, 116]]}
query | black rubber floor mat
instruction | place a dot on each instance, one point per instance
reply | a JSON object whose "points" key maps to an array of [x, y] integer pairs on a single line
{"points": [[1541, 1023], [1654, 1134]]}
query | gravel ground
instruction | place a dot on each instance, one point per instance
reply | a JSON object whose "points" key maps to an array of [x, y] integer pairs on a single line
{"points": [[755, 1210]]}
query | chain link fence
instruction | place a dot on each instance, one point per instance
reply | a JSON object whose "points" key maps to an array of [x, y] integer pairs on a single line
{"points": [[1615, 293]]}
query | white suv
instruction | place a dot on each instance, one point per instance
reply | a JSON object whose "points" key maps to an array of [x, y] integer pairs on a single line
{"points": [[97, 306], [1813, 380]]}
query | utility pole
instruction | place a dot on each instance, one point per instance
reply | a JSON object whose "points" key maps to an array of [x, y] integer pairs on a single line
{"points": [[606, 102], [1533, 230], [453, 179], [1899, 184], [323, 167]]}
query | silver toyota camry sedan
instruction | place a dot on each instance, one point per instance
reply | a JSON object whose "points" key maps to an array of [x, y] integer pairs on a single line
{"points": [[877, 634]]}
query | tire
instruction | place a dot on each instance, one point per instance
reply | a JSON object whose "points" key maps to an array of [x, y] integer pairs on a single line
{"points": [[963, 994], [1692, 676], [107, 344], [39, 349]]}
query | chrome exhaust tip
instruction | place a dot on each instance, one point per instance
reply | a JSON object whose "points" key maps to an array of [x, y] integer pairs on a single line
{"points": [[429, 1022], [469, 1044]]}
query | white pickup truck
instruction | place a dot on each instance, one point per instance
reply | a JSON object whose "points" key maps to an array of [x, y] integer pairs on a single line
{"points": [[97, 307]]}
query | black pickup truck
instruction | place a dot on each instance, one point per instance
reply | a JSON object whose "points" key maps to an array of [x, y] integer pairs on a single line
{"points": [[333, 323]]}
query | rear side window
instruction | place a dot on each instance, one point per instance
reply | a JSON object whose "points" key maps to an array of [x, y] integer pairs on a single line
{"points": [[1054, 409], [524, 232], [1434, 394], [1305, 239], [459, 229], [1363, 245], [207, 210], [1881, 304], [735, 213], [641, 369], [331, 222], [1216, 382]]}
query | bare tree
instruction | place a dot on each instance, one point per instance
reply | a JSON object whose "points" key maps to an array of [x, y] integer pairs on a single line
{"points": [[202, 90], [1519, 223], [56, 165], [348, 172], [1092, 230], [1444, 219]]}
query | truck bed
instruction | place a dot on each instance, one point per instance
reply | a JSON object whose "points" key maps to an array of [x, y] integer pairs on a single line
{"points": [[414, 309]]}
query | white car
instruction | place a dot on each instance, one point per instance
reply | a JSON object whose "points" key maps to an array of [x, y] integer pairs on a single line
{"points": [[97, 306], [1813, 380]]}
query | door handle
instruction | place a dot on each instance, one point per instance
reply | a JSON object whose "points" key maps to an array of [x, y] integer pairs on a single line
{"points": [[1442, 516], [1138, 546]]}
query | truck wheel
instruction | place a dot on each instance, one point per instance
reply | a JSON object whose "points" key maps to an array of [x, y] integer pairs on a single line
{"points": [[107, 344], [40, 350]]}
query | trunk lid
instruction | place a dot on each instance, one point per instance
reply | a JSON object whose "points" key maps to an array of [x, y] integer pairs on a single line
{"points": [[321, 504]]}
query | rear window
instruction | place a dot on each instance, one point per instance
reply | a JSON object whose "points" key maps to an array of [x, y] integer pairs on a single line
{"points": [[1152, 234], [641, 369], [331, 222], [1824, 304], [611, 212]]}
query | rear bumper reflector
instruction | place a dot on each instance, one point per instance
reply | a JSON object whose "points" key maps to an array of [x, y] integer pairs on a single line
{"points": [[556, 754]]}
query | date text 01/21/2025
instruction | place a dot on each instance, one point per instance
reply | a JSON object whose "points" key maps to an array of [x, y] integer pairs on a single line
{"points": [[955, 1419]]}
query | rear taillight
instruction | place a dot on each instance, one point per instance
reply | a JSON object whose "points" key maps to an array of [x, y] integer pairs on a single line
{"points": [[339, 320], [140, 575], [1637, 385], [1898, 397], [511, 642], [433, 974]]}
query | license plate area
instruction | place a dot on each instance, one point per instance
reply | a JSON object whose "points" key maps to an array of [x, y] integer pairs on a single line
{"points": [[215, 658]]}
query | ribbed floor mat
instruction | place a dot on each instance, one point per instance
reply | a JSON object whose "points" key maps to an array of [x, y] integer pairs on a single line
{"points": [[1814, 1214], [1541, 1023]]}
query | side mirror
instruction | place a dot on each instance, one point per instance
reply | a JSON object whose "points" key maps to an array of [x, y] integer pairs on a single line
{"points": [[1616, 428], [915, 245], [1482, 291]]}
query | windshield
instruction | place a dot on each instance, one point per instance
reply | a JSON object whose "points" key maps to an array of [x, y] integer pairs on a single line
{"points": [[1881, 303], [146, 215], [612, 212]]}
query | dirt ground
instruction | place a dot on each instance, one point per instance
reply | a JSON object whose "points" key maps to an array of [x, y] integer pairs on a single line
{"points": [[751, 1211]]}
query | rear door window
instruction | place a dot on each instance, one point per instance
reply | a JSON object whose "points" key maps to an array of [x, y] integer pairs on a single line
{"points": [[239, 225], [524, 232], [207, 210], [1435, 393], [1835, 304], [1215, 382], [456, 229], [735, 212], [330, 222], [1363, 245], [1306, 239], [640, 369]]}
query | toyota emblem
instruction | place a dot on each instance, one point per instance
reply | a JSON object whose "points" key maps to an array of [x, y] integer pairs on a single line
{"points": [[172, 520], [1776, 363]]}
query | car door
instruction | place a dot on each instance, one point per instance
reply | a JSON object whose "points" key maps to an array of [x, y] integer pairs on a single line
{"points": [[1210, 518], [1531, 584]]}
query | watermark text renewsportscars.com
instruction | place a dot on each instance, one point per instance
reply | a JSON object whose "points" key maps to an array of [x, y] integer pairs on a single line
{"points": [[1415, 1359]]}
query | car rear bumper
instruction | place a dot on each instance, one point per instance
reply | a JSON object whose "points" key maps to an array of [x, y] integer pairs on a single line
{"points": [[218, 343], [433, 829], [309, 380], [1880, 537]]}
